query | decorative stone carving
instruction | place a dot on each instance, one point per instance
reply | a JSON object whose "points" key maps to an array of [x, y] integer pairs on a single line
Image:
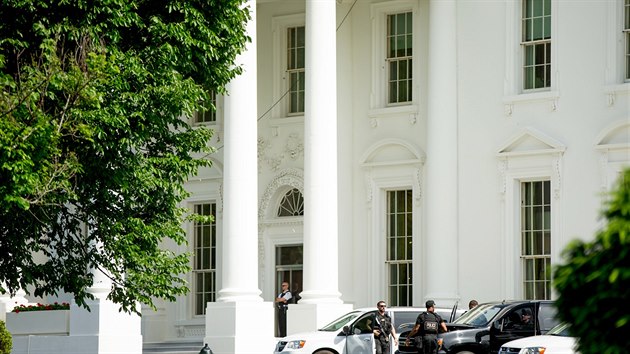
{"points": [[263, 146], [502, 166], [294, 146], [603, 169], [292, 177], [418, 186], [556, 169], [369, 185], [508, 109]]}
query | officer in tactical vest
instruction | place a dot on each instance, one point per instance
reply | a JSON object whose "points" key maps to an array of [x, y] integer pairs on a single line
{"points": [[427, 325], [382, 328]]}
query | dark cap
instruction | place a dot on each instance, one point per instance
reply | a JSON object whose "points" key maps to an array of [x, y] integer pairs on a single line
{"points": [[430, 303]]}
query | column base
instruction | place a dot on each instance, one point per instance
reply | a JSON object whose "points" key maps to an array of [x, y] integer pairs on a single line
{"points": [[240, 327], [310, 317]]}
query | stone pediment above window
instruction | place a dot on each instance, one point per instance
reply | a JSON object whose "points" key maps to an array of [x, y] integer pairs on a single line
{"points": [[531, 154], [392, 164], [530, 142], [392, 152], [615, 136], [613, 144]]}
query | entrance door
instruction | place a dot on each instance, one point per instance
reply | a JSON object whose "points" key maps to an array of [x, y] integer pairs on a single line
{"points": [[289, 266]]}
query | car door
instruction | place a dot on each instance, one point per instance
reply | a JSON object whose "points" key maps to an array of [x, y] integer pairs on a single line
{"points": [[511, 326], [360, 338]]}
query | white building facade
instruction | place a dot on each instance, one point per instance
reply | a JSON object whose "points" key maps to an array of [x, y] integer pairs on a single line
{"points": [[402, 150], [420, 149], [468, 143]]}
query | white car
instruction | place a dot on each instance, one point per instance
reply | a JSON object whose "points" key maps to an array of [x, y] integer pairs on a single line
{"points": [[556, 341], [349, 334]]}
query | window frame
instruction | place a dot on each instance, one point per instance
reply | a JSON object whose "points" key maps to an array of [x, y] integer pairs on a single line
{"points": [[393, 263], [536, 43], [195, 271], [406, 58], [379, 95], [533, 258], [626, 40], [281, 79], [217, 101]]}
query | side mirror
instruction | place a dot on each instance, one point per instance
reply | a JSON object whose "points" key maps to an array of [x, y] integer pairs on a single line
{"points": [[346, 330]]}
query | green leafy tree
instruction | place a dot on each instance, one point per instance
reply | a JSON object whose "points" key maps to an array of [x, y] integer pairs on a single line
{"points": [[594, 284], [6, 341], [94, 151]]}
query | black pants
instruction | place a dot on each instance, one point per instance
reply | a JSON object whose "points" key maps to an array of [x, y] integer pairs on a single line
{"points": [[429, 344], [382, 345], [282, 322]]}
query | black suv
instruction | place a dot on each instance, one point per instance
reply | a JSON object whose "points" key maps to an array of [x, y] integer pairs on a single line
{"points": [[485, 328]]}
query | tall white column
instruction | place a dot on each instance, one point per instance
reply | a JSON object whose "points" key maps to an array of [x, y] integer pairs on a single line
{"points": [[320, 155], [441, 166], [240, 187], [321, 300], [240, 322]]}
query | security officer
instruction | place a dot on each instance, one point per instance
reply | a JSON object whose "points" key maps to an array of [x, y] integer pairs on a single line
{"points": [[428, 324], [382, 328], [282, 302]]}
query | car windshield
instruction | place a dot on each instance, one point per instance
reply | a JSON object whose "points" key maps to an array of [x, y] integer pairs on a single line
{"points": [[341, 321], [481, 315], [561, 329], [405, 317]]}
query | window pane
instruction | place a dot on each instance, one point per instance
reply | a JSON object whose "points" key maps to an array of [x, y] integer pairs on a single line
{"points": [[547, 28], [547, 243], [536, 20], [535, 240], [538, 28], [538, 7], [399, 244], [399, 43], [547, 7]]}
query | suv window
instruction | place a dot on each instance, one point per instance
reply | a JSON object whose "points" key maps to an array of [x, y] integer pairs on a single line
{"points": [[364, 324], [520, 318], [547, 317], [341, 321], [404, 317], [481, 315]]}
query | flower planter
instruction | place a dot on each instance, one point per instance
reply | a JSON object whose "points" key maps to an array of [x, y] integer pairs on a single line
{"points": [[54, 322]]}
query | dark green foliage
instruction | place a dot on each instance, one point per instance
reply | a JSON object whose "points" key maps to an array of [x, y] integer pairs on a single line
{"points": [[6, 341], [93, 148], [594, 284]]}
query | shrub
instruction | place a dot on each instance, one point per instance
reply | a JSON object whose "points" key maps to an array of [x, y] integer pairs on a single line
{"points": [[42, 307], [6, 341], [594, 284]]}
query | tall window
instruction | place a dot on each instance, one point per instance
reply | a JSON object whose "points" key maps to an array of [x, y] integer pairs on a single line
{"points": [[209, 113], [295, 69], [626, 34], [536, 43], [536, 239], [399, 57], [292, 204], [205, 267], [399, 255]]}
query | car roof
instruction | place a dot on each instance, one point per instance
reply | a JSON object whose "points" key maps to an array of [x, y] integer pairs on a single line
{"points": [[507, 302], [403, 309]]}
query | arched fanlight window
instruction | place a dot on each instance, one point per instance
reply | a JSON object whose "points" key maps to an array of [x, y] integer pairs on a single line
{"points": [[292, 204]]}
